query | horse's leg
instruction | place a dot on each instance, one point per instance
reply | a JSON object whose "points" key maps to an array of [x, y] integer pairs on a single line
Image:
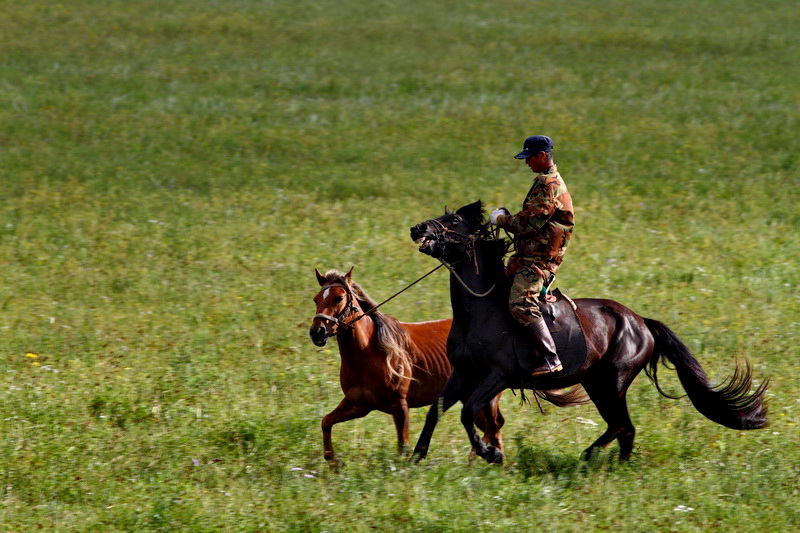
{"points": [[613, 407], [480, 399], [346, 410], [490, 420], [400, 416], [447, 398]]}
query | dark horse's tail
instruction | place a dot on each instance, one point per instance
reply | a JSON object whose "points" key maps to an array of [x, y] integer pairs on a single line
{"points": [[728, 404]]}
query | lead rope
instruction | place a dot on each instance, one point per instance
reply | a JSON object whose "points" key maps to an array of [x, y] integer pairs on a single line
{"points": [[398, 293]]}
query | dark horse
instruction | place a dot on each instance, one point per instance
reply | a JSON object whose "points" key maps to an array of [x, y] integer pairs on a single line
{"points": [[387, 365], [619, 344]]}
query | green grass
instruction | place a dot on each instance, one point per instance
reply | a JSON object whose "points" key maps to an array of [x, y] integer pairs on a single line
{"points": [[172, 173]]}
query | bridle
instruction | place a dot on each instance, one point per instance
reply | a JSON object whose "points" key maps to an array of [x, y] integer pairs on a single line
{"points": [[451, 236]]}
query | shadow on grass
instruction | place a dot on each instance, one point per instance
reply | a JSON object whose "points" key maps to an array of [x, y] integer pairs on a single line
{"points": [[568, 468]]}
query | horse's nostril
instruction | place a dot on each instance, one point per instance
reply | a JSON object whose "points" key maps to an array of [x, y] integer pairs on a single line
{"points": [[318, 334]]}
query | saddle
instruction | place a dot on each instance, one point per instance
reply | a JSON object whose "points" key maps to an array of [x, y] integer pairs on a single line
{"points": [[558, 311]]}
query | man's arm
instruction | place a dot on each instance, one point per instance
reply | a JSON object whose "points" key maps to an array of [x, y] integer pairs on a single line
{"points": [[539, 207]]}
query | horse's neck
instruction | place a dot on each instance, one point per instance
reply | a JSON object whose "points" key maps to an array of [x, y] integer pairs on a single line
{"points": [[480, 274], [354, 342]]}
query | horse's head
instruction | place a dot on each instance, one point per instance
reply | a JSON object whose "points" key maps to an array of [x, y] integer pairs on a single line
{"points": [[335, 302], [450, 236]]}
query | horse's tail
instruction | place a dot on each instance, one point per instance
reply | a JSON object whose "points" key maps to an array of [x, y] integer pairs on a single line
{"points": [[729, 403], [575, 395]]}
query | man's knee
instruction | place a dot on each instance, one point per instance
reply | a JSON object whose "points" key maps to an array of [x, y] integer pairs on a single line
{"points": [[523, 302], [525, 313]]}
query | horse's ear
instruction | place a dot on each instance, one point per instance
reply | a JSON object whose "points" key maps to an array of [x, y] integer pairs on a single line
{"points": [[320, 278], [447, 211], [349, 275], [472, 212]]}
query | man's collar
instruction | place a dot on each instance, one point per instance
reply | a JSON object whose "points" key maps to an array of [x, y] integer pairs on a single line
{"points": [[551, 171]]}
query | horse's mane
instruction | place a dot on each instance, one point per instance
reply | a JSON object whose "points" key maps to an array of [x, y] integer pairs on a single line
{"points": [[393, 338], [475, 214], [499, 246]]}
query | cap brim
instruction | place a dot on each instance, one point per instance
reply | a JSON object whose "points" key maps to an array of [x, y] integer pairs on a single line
{"points": [[525, 154]]}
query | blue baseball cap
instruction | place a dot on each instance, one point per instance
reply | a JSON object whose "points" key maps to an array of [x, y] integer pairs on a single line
{"points": [[535, 144]]}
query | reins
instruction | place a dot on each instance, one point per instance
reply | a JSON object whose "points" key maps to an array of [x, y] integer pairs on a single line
{"points": [[463, 283], [470, 239]]}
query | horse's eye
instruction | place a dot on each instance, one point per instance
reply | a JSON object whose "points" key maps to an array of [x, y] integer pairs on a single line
{"points": [[338, 299]]}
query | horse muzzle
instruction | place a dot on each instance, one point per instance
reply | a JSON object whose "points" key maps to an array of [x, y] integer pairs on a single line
{"points": [[422, 236], [319, 335]]}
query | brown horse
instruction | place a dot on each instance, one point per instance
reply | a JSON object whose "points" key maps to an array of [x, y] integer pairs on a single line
{"points": [[387, 365]]}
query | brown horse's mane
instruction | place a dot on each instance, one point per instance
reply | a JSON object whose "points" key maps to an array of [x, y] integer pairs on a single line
{"points": [[392, 336]]}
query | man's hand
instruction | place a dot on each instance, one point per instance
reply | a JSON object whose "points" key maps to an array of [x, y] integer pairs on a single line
{"points": [[499, 211]]}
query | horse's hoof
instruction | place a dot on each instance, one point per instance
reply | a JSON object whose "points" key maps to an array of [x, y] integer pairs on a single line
{"points": [[588, 453], [334, 464], [493, 456], [417, 456]]}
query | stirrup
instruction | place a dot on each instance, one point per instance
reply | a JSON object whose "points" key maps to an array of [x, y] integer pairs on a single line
{"points": [[546, 369]]}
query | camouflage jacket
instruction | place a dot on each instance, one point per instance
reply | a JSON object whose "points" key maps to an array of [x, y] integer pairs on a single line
{"points": [[544, 226]]}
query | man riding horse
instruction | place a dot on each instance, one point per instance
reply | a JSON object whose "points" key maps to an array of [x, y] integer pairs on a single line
{"points": [[541, 234]]}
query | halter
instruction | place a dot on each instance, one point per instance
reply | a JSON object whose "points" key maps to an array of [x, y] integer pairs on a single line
{"points": [[348, 310]]}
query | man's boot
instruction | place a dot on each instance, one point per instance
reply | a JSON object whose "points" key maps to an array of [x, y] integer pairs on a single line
{"points": [[543, 348]]}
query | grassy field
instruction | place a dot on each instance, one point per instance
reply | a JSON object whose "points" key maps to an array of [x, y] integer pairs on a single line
{"points": [[172, 172]]}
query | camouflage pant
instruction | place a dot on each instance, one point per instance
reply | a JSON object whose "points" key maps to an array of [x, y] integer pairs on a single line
{"points": [[523, 302]]}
